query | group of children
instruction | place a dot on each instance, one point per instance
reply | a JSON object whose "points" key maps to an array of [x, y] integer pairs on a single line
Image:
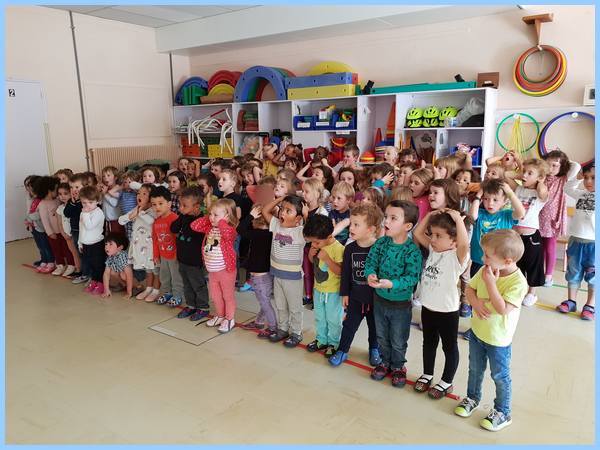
{"points": [[348, 241]]}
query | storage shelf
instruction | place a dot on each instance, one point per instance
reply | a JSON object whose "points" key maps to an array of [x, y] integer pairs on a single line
{"points": [[324, 131], [248, 131], [202, 132], [202, 105], [440, 128]]}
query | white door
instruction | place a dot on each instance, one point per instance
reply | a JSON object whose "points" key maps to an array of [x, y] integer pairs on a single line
{"points": [[26, 152]]}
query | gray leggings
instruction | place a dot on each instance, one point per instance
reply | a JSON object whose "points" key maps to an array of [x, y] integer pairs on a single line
{"points": [[263, 289]]}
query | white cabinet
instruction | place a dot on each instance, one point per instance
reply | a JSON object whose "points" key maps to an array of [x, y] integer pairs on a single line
{"points": [[370, 112]]}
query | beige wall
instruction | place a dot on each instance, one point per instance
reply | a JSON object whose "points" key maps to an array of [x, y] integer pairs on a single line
{"points": [[435, 53], [126, 84]]}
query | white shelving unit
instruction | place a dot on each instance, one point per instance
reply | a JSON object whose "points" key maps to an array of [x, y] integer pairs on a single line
{"points": [[372, 112]]}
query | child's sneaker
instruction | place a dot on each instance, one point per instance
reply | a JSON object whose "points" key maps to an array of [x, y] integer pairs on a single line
{"points": [[253, 326], [379, 372], [41, 267], [226, 326], [90, 287], [495, 421], [152, 296], [466, 407], [329, 351], [264, 334], [59, 270], [246, 288], [186, 312], [199, 314], [48, 268], [98, 289], [530, 300], [466, 310], [70, 270], [292, 341], [80, 279], [314, 346], [278, 335], [145, 293], [164, 298], [338, 358], [174, 301], [587, 313], [216, 320], [549, 283], [399, 377], [374, 357]]}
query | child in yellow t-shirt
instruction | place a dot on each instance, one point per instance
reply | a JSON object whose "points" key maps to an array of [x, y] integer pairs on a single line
{"points": [[326, 255], [495, 293]]}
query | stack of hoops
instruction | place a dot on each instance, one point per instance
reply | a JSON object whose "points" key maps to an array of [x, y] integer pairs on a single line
{"points": [[544, 86]]}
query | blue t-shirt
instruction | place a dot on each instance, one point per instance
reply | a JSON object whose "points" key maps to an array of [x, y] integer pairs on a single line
{"points": [[337, 216], [485, 223]]}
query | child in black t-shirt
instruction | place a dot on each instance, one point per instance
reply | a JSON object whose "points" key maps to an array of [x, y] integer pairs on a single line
{"points": [[357, 295]]}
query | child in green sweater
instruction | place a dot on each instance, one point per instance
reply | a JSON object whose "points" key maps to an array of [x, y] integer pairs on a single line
{"points": [[393, 269]]}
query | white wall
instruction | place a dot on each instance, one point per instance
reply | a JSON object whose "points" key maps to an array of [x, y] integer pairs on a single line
{"points": [[126, 83], [435, 53]]}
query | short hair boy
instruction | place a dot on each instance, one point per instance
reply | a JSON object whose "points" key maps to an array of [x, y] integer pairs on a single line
{"points": [[492, 216], [496, 293], [326, 255], [393, 268], [189, 258], [165, 251], [357, 295]]}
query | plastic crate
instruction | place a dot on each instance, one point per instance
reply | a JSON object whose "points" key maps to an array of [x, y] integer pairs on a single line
{"points": [[304, 122]]}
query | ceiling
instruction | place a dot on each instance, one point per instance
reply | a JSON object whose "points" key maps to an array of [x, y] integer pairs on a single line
{"points": [[153, 16]]}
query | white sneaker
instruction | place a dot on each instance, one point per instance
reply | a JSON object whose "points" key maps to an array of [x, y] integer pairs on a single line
{"points": [[68, 271], [530, 300], [215, 321], [59, 270], [416, 302], [226, 326]]}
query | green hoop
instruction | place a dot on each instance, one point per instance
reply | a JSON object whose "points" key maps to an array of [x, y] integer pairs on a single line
{"points": [[535, 122]]}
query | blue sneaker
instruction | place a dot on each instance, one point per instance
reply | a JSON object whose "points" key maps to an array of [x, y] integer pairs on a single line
{"points": [[174, 301], [467, 334], [246, 288], [338, 358], [465, 310], [186, 312], [374, 357], [164, 298], [198, 315]]}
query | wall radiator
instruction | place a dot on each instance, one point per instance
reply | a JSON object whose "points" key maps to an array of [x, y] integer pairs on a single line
{"points": [[121, 157]]}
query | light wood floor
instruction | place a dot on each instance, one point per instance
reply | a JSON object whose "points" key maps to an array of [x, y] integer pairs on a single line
{"points": [[85, 370]]}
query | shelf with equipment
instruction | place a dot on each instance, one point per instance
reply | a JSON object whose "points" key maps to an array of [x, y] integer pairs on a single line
{"points": [[358, 119]]}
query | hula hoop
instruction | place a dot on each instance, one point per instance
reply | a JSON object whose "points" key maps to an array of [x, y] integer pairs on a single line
{"points": [[535, 122], [542, 140], [544, 86]]}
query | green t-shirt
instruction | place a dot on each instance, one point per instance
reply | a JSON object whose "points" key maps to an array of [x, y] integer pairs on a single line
{"points": [[498, 330], [325, 279]]}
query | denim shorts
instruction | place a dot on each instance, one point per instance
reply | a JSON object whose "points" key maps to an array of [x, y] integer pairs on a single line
{"points": [[580, 262]]}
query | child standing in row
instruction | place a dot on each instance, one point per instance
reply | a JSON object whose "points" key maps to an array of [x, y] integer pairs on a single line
{"points": [[256, 230], [356, 294], [220, 260], [286, 267], [495, 293], [64, 195], [444, 234], [141, 247], [164, 251], [326, 255], [582, 245], [90, 241], [189, 258], [393, 269]]}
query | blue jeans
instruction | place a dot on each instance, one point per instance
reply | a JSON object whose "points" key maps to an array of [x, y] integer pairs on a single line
{"points": [[393, 329], [499, 357], [41, 241], [580, 263]]}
